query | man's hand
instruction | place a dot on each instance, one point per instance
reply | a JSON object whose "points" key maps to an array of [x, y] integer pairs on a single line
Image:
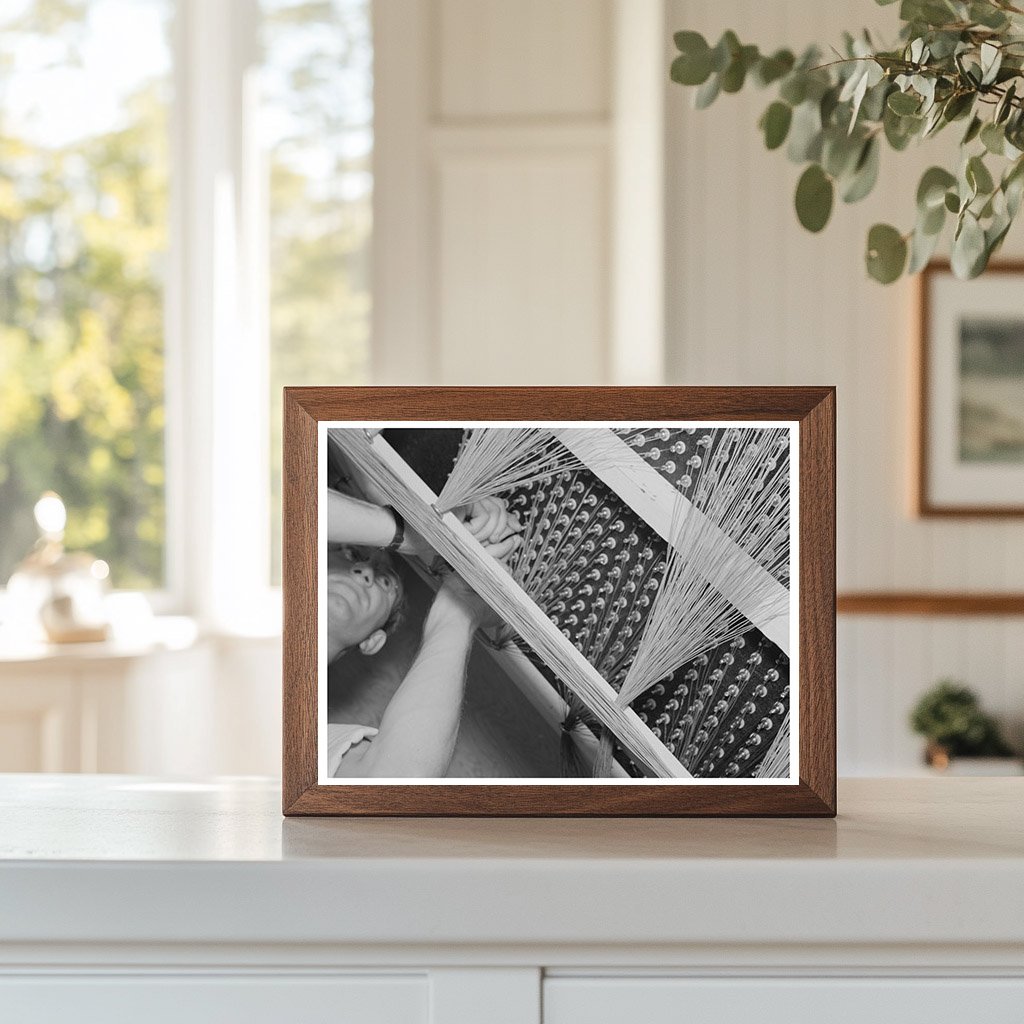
{"points": [[459, 596], [490, 521]]}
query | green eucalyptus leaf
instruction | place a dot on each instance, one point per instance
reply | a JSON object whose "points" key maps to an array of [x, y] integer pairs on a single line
{"points": [[944, 44], [987, 15], [903, 103], [688, 42], [693, 65], [1005, 105], [873, 106], [828, 105], [886, 253], [865, 173], [775, 124], [814, 194], [978, 176], [952, 202], [973, 129], [900, 130], [991, 60], [725, 51], [735, 74], [993, 138], [931, 190], [922, 247], [958, 105], [968, 247], [805, 133], [932, 220], [839, 151], [707, 93], [771, 69], [794, 88]]}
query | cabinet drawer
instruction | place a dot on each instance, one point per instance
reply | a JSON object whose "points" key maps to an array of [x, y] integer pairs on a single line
{"points": [[202, 999], [661, 1000]]}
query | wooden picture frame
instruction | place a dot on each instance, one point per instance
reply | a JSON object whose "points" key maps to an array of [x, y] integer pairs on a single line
{"points": [[807, 412], [948, 484]]}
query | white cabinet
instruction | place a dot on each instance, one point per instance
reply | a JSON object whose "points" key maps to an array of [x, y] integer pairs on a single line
{"points": [[824, 1000], [127, 899], [174, 704], [351, 999]]}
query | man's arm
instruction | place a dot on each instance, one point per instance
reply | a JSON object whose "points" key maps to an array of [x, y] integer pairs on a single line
{"points": [[351, 521], [419, 728]]}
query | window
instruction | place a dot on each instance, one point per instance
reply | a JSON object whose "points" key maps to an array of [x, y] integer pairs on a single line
{"points": [[317, 116], [83, 235], [185, 221]]}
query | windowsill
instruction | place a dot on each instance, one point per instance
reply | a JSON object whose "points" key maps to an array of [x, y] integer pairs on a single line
{"points": [[161, 633]]}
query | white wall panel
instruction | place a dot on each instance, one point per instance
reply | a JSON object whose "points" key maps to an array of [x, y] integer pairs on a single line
{"points": [[530, 58], [754, 299], [522, 288]]}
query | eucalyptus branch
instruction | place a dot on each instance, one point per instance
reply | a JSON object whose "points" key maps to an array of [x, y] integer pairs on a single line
{"points": [[954, 59]]}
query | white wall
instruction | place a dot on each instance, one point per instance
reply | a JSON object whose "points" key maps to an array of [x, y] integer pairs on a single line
{"points": [[754, 299], [507, 137]]}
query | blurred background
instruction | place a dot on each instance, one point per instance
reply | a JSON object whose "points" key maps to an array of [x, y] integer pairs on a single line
{"points": [[202, 201]]}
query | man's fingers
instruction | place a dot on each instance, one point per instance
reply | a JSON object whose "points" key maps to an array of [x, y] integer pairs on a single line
{"points": [[503, 548]]}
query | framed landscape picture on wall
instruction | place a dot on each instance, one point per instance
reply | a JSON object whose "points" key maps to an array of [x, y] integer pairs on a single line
{"points": [[970, 450], [559, 601]]}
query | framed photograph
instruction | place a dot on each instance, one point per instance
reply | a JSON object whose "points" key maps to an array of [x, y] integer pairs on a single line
{"points": [[559, 601], [970, 450]]}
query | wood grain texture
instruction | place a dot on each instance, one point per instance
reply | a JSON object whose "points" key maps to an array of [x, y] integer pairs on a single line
{"points": [[923, 503], [925, 603], [812, 407]]}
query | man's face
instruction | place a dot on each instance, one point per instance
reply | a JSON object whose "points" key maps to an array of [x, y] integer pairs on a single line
{"points": [[362, 591]]}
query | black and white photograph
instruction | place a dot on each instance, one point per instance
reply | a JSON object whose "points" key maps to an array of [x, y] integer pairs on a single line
{"points": [[557, 602]]}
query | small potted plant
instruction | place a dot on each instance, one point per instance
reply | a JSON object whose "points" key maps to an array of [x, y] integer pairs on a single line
{"points": [[950, 717]]}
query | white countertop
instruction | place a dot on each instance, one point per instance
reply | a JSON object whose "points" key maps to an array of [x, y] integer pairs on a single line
{"points": [[123, 859]]}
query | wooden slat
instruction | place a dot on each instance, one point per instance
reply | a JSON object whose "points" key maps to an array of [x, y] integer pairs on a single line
{"points": [[928, 603], [414, 499], [654, 499]]}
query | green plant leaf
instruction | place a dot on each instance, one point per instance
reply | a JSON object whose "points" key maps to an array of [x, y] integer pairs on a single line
{"points": [[900, 130], [922, 247], [735, 74], [952, 202], [771, 69], [931, 221], [978, 176], [886, 253], [973, 129], [987, 15], [993, 138], [968, 255], [693, 65], [775, 124], [904, 103], [1005, 104], [725, 50], [865, 173], [805, 133], [794, 89], [991, 57], [814, 194], [931, 191], [839, 151], [958, 105], [707, 93]]}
